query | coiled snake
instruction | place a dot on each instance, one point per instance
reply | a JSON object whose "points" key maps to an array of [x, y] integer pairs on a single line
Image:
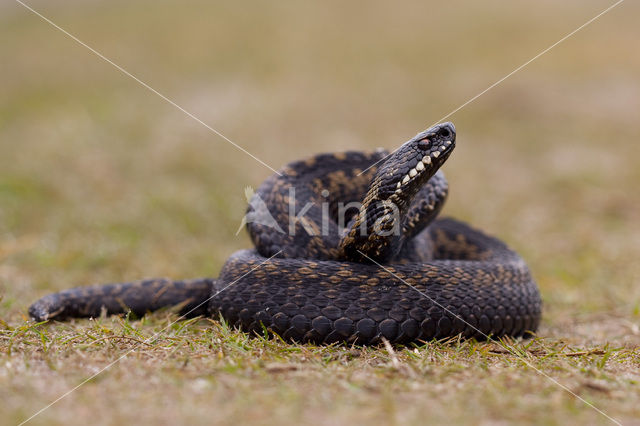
{"points": [[324, 270]]}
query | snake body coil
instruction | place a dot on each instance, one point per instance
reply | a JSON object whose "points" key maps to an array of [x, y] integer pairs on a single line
{"points": [[347, 252]]}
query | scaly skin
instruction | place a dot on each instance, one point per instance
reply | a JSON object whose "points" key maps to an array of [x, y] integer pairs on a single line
{"points": [[438, 278]]}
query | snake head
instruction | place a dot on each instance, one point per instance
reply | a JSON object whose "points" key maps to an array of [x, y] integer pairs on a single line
{"points": [[376, 234], [415, 162]]}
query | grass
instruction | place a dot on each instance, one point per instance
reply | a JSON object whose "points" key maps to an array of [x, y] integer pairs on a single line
{"points": [[100, 180]]}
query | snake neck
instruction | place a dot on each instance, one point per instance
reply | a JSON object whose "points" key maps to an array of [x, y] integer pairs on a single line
{"points": [[377, 232]]}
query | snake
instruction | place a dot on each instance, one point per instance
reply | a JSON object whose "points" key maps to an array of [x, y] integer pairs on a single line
{"points": [[348, 248]]}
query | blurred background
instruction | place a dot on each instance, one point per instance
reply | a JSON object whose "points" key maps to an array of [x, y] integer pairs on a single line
{"points": [[102, 180]]}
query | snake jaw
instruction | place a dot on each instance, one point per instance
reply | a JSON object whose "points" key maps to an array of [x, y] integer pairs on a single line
{"points": [[425, 153]]}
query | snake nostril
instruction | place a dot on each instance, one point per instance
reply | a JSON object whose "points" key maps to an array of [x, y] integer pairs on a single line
{"points": [[445, 132]]}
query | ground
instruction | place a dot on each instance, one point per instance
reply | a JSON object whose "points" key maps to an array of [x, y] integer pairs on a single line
{"points": [[102, 180]]}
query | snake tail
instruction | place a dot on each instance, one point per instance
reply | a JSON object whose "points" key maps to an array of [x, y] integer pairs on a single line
{"points": [[139, 297]]}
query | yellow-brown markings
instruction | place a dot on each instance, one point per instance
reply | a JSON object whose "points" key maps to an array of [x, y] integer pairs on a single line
{"points": [[335, 279], [270, 267], [344, 273], [340, 156]]}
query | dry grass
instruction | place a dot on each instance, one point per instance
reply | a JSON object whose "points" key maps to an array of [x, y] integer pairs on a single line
{"points": [[100, 180]]}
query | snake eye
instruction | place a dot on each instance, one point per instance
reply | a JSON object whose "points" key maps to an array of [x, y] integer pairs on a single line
{"points": [[424, 144]]}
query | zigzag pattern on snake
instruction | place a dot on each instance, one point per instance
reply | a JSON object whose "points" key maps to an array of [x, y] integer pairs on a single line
{"points": [[325, 271]]}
